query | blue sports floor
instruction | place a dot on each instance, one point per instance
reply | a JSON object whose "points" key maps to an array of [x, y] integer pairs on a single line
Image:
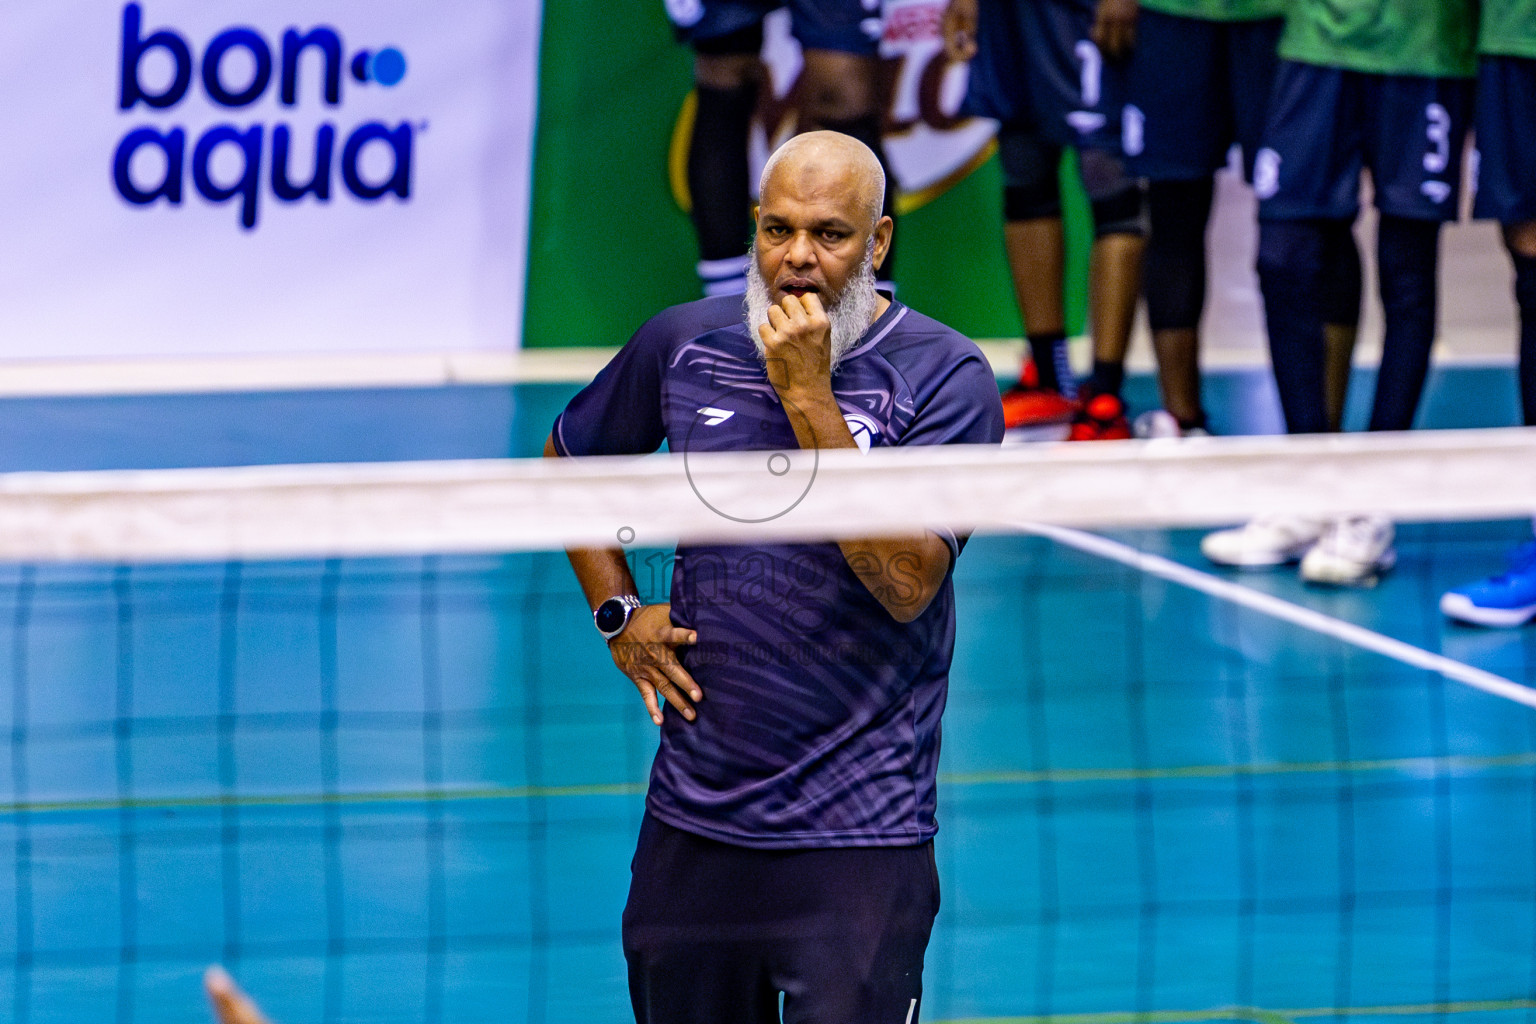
{"points": [[407, 790]]}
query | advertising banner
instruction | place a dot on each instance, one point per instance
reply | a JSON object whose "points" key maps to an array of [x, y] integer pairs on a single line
{"points": [[264, 176]]}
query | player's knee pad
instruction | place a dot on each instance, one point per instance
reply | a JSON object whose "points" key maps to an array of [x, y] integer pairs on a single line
{"points": [[1121, 213], [1173, 276], [1178, 212], [1031, 174], [1289, 249], [1119, 201]]}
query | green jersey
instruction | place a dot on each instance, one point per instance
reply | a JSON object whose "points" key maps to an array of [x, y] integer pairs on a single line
{"points": [[1430, 38], [1509, 28], [1219, 10]]}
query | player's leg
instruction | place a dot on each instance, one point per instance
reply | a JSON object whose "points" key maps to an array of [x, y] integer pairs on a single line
{"points": [[1520, 239], [726, 37], [1182, 97], [1506, 190], [1341, 317], [1417, 130], [1174, 284], [1407, 261], [693, 933], [1290, 263], [1033, 238], [1306, 176], [1076, 99], [1118, 202], [841, 88], [864, 919], [1506, 101]]}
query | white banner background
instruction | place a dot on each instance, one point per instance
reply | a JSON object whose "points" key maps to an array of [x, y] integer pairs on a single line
{"points": [[84, 274]]}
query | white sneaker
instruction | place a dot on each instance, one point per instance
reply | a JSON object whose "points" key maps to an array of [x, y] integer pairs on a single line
{"points": [[1156, 423], [1267, 540], [1352, 552]]}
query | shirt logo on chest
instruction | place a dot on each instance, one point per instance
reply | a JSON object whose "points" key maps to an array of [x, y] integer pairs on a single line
{"points": [[714, 417], [865, 430]]}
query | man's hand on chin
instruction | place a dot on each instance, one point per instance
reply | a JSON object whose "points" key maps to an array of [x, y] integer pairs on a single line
{"points": [[797, 345]]}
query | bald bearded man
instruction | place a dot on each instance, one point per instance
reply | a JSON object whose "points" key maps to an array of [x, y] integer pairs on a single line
{"points": [[786, 851]]}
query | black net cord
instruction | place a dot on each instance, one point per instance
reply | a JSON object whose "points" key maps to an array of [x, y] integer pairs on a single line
{"points": [[432, 776], [21, 988], [1530, 1015], [330, 783], [1247, 843], [1444, 879], [229, 809], [1344, 805], [1044, 804], [538, 810], [1148, 907], [127, 849]]}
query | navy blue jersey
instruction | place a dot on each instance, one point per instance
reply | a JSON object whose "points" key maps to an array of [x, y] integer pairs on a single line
{"points": [[1198, 87], [846, 26], [820, 723], [1506, 164], [1037, 67], [1326, 124]]}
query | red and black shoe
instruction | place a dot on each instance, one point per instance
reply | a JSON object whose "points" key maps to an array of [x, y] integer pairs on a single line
{"points": [[1102, 418], [1034, 413]]}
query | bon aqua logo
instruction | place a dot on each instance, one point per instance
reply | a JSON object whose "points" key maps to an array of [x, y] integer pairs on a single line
{"points": [[236, 69]]}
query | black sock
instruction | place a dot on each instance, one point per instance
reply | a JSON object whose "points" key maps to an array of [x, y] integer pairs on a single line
{"points": [[1525, 297], [717, 171], [1049, 353], [1406, 253], [1107, 378], [1290, 278]]}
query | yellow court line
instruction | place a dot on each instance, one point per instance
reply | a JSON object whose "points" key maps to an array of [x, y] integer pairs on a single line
{"points": [[1402, 765], [1414, 766], [1257, 1015]]}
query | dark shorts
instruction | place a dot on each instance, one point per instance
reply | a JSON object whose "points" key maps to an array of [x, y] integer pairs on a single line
{"points": [[1199, 86], [1325, 124], [1035, 65], [714, 932], [1506, 140], [848, 26]]}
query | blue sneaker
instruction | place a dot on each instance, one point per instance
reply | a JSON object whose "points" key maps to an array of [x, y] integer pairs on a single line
{"points": [[1504, 599]]}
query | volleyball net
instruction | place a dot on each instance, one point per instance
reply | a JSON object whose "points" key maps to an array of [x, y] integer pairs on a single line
{"points": [[348, 730]]}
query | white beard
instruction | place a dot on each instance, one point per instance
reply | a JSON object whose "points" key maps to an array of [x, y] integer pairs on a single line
{"points": [[850, 314]]}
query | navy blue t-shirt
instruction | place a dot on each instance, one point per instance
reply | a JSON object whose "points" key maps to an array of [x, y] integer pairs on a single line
{"points": [[820, 720]]}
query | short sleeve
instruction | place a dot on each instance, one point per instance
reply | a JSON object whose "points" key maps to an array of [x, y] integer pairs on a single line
{"points": [[964, 407], [620, 412]]}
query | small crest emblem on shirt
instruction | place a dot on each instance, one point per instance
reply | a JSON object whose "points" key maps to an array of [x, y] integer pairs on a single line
{"points": [[864, 430]]}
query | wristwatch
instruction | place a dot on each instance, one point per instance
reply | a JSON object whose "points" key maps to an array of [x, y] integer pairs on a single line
{"points": [[613, 615]]}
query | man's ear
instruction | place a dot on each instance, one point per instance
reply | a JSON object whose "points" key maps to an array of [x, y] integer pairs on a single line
{"points": [[883, 232]]}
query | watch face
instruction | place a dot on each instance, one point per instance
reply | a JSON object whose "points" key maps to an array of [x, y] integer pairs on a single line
{"points": [[611, 615]]}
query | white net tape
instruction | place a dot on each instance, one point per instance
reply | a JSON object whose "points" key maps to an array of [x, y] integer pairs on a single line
{"points": [[538, 504]]}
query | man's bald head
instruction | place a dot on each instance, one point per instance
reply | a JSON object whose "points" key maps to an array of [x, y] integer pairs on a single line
{"points": [[830, 159]]}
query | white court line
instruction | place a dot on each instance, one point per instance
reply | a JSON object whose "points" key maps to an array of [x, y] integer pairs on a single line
{"points": [[1327, 625]]}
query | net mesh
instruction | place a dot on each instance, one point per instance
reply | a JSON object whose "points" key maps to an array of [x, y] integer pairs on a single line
{"points": [[407, 787]]}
